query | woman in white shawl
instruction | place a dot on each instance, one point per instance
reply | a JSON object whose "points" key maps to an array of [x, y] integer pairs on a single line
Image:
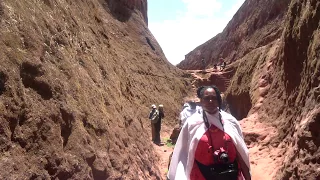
{"points": [[189, 108], [205, 138]]}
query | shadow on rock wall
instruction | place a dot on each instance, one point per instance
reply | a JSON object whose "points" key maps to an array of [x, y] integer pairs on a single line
{"points": [[239, 105], [120, 9], [123, 9]]}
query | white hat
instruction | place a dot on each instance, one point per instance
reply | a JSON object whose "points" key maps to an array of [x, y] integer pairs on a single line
{"points": [[160, 105], [153, 106], [186, 105]]}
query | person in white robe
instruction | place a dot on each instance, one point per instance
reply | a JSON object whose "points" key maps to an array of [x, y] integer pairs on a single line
{"points": [[189, 108]]}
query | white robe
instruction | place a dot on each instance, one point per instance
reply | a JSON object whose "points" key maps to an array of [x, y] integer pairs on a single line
{"points": [[183, 155], [187, 112]]}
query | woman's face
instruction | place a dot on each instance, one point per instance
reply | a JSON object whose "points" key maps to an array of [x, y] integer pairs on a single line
{"points": [[209, 101]]}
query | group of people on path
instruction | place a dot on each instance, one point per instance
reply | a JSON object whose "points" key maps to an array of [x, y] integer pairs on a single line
{"points": [[222, 64]]}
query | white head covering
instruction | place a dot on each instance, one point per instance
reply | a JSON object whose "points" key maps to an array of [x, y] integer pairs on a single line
{"points": [[187, 112]]}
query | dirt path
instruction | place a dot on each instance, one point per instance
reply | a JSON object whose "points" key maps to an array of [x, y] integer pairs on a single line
{"points": [[265, 158], [164, 151]]}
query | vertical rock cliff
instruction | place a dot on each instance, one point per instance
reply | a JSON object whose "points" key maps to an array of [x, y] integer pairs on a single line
{"points": [[76, 82]]}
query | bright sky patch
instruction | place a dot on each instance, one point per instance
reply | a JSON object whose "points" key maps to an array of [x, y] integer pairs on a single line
{"points": [[181, 25]]}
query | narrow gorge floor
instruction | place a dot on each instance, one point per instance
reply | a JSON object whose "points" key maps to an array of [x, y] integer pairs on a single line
{"points": [[264, 157]]}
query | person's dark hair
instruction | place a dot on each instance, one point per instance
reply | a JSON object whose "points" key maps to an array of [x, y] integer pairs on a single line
{"points": [[200, 92]]}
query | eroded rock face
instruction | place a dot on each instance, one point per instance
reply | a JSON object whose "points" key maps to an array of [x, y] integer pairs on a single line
{"points": [[76, 84], [282, 79], [297, 89]]}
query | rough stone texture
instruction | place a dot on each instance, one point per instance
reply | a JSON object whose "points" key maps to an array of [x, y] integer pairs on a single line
{"points": [[76, 82], [257, 23], [295, 88]]}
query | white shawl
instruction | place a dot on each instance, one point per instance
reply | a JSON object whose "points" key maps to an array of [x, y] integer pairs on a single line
{"points": [[183, 155], [187, 112]]}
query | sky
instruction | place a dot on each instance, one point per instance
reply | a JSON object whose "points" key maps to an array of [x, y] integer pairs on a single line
{"points": [[182, 25]]}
